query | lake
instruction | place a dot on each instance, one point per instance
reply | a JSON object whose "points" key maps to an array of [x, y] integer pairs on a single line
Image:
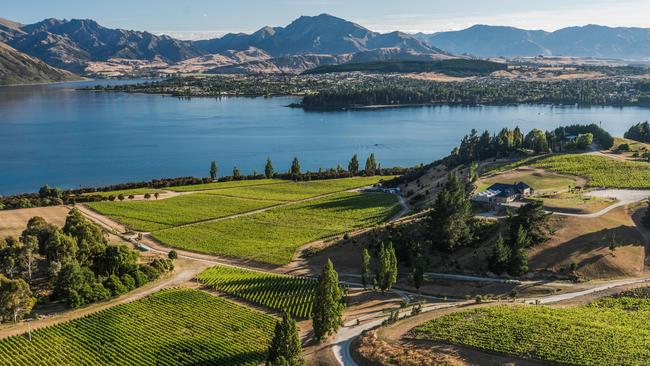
{"points": [[56, 135]]}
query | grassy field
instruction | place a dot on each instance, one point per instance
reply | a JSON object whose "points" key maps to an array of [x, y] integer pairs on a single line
{"points": [[294, 191], [574, 202], [224, 185], [160, 214], [599, 171], [608, 332], [635, 146], [286, 293], [273, 236], [126, 192], [171, 327], [539, 180]]}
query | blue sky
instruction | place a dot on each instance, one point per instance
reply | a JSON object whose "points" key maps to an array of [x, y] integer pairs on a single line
{"points": [[193, 19]]}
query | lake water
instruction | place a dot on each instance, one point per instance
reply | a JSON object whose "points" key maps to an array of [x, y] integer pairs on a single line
{"points": [[58, 136]]}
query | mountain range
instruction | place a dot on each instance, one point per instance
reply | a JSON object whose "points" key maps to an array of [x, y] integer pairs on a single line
{"points": [[19, 68], [586, 41]]}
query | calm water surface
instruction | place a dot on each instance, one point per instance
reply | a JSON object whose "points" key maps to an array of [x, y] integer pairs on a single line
{"points": [[66, 138]]}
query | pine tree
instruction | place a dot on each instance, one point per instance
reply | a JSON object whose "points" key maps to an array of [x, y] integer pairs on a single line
{"points": [[392, 266], [534, 220], [500, 257], [418, 272], [366, 276], [213, 170], [327, 313], [268, 169], [236, 173], [371, 164], [295, 166], [450, 217], [518, 138], [285, 348], [519, 258], [353, 166]]}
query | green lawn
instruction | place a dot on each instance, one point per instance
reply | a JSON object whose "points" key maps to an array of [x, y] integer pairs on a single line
{"points": [[294, 191], [223, 185], [540, 181], [273, 236], [608, 332], [599, 171], [294, 295], [160, 214], [171, 327]]}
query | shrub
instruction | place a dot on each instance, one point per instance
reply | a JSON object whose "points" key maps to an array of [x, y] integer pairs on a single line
{"points": [[172, 255], [128, 281], [140, 278], [114, 285], [100, 292]]}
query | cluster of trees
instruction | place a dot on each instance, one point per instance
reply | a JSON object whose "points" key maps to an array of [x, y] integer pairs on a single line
{"points": [[578, 137], [385, 268], [76, 261], [525, 229], [46, 196], [639, 132], [402, 91]]}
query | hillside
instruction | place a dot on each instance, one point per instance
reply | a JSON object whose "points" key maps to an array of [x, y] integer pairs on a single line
{"points": [[455, 67], [322, 34], [587, 41], [18, 68], [70, 44]]}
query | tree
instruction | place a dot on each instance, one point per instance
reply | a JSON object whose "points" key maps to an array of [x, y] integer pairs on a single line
{"points": [[268, 169], [449, 220], [366, 276], [236, 173], [16, 299], [120, 197], [534, 220], [60, 247], [387, 267], [584, 140], [418, 271], [147, 195], [74, 284], [285, 348], [213, 170], [90, 238], [327, 310], [27, 262], [172, 255], [295, 166], [498, 262], [353, 166], [10, 250], [371, 164], [645, 220], [116, 260], [536, 141], [518, 265], [156, 195], [38, 227], [517, 138]]}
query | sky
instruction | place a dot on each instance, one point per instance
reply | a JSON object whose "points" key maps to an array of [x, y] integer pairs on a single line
{"points": [[197, 19]]}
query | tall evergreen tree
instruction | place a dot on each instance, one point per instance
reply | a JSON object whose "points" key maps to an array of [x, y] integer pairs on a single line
{"points": [[236, 173], [500, 258], [518, 265], [353, 166], [534, 220], [285, 348], [295, 166], [518, 138], [450, 217], [268, 169], [213, 170], [418, 271], [366, 276], [327, 313], [371, 164], [392, 265], [387, 267]]}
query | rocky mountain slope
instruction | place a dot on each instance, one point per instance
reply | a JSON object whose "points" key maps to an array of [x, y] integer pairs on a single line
{"points": [[586, 41], [18, 68], [322, 34]]}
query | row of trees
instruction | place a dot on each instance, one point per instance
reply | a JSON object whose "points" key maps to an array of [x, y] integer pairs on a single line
{"points": [[639, 132], [385, 268]]}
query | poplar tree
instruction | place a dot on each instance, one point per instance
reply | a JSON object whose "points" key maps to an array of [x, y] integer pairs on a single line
{"points": [[418, 271], [387, 268], [268, 169], [327, 313], [450, 217], [366, 276], [285, 348], [353, 166], [236, 173], [213, 170], [295, 166]]}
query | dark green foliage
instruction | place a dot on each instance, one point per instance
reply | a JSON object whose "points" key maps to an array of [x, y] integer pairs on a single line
{"points": [[268, 169], [353, 166], [140, 278], [90, 239], [418, 271], [371, 164], [38, 227], [559, 141], [60, 247], [518, 265], [213, 170], [386, 267], [536, 141], [115, 285], [75, 284], [534, 221], [117, 260], [449, 220], [453, 67], [328, 305], [639, 132], [295, 167], [366, 275], [645, 220], [500, 258], [172, 255], [16, 299], [236, 174], [285, 348]]}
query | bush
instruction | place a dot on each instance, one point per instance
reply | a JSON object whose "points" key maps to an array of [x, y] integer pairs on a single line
{"points": [[74, 299], [172, 255], [114, 285], [140, 278], [128, 282], [149, 271], [100, 292]]}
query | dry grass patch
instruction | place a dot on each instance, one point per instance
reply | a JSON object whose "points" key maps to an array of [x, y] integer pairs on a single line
{"points": [[13, 222]]}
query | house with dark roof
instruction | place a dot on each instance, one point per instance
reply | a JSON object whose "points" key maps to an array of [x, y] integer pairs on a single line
{"points": [[503, 193]]}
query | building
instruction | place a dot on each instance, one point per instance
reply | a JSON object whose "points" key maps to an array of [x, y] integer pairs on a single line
{"points": [[503, 193]]}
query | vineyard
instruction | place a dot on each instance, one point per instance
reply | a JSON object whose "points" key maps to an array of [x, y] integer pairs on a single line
{"points": [[279, 292], [599, 171], [162, 214], [126, 192], [171, 327], [611, 331], [224, 185], [273, 236]]}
